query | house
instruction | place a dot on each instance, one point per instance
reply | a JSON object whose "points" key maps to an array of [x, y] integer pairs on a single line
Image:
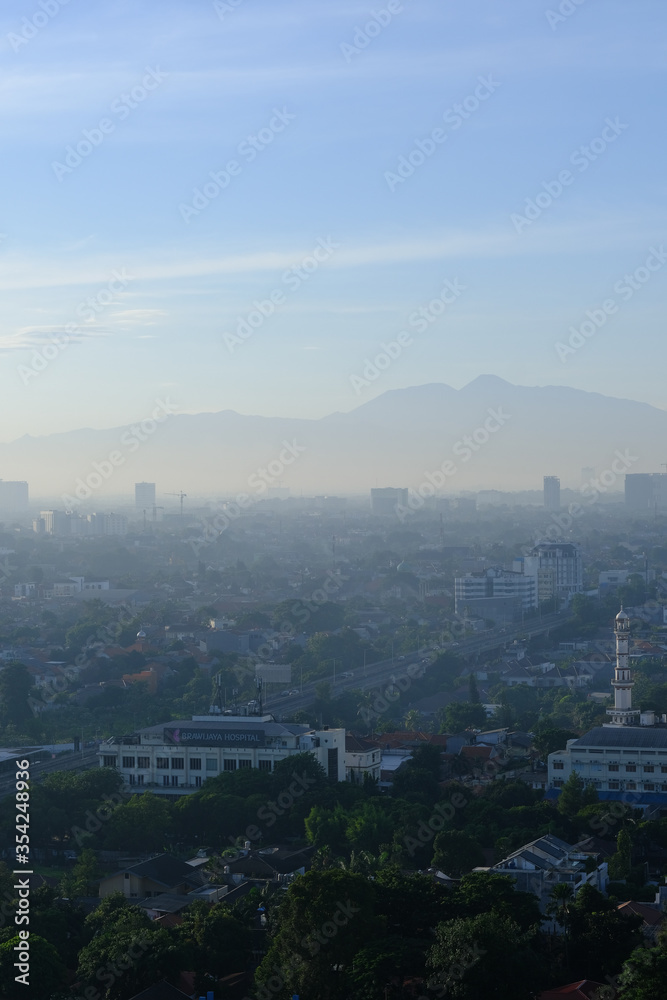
{"points": [[361, 758], [540, 865], [278, 864], [163, 873], [585, 989], [652, 918], [481, 758]]}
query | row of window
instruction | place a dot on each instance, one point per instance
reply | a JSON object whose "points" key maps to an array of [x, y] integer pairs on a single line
{"points": [[615, 785], [630, 768], [178, 764]]}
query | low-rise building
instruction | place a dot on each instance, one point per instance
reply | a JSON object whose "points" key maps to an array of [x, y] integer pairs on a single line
{"points": [[539, 866], [361, 759], [177, 757], [625, 763]]}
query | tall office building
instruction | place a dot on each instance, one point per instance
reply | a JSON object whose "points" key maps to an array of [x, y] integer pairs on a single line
{"points": [[646, 491], [558, 568], [386, 501], [552, 492], [13, 496], [144, 496]]}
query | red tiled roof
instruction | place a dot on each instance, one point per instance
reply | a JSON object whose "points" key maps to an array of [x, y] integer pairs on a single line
{"points": [[583, 990], [483, 753], [648, 914]]}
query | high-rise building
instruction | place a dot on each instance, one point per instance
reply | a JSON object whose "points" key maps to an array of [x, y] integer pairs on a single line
{"points": [[385, 501], [646, 491], [495, 593], [552, 492], [13, 496], [144, 496], [558, 568]]}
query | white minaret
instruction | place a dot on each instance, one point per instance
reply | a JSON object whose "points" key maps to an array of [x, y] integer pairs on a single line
{"points": [[622, 714]]}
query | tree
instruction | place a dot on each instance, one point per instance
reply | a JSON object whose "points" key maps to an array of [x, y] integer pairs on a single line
{"points": [[456, 853], [15, 688], [550, 740], [461, 715], [484, 956], [574, 795], [214, 942], [644, 974], [46, 973], [620, 864], [473, 693], [142, 824], [559, 905], [85, 872], [321, 921], [482, 892], [128, 952]]}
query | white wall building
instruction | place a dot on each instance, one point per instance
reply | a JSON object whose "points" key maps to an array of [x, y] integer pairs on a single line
{"points": [[177, 757]]}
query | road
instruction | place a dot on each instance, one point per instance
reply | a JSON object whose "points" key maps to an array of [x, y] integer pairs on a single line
{"points": [[74, 761], [378, 675]]}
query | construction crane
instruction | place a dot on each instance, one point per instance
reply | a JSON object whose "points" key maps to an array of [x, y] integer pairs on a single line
{"points": [[182, 497]]}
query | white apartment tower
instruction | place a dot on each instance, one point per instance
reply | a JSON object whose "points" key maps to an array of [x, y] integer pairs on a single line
{"points": [[622, 714]]}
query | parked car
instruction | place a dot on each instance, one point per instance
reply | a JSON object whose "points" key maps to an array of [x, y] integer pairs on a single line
{"points": [[293, 691], [284, 694]]}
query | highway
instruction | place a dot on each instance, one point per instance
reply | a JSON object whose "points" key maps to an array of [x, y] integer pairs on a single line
{"points": [[72, 761], [379, 675]]}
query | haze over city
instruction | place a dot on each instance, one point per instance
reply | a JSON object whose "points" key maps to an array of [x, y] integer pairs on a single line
{"points": [[333, 500]]}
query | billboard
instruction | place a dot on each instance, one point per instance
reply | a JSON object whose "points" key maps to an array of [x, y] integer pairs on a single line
{"points": [[215, 737]]}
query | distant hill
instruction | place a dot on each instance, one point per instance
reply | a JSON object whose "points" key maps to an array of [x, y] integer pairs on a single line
{"points": [[393, 440]]}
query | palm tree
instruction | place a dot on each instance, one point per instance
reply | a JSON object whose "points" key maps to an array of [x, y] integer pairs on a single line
{"points": [[559, 908], [413, 720]]}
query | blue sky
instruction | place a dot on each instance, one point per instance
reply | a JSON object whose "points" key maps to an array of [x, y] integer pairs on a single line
{"points": [[319, 177]]}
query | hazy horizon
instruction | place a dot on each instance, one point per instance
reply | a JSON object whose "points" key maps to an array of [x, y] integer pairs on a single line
{"points": [[359, 184]]}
